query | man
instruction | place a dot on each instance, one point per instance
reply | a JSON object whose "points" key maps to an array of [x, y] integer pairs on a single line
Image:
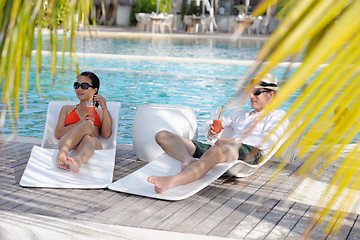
{"points": [[199, 158]]}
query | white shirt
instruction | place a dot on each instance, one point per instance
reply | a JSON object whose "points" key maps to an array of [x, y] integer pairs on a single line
{"points": [[241, 121]]}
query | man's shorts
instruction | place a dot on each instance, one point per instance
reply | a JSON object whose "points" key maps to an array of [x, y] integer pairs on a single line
{"points": [[245, 149]]}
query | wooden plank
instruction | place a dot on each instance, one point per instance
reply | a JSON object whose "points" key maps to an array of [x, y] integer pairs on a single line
{"points": [[6, 193], [298, 231], [227, 204], [355, 230], [119, 202], [321, 229], [281, 189], [45, 206], [126, 167], [275, 211], [79, 201], [251, 220], [210, 215], [247, 200], [288, 221], [32, 200], [251, 204], [110, 198], [261, 207], [146, 213], [177, 211], [318, 230], [189, 209], [18, 198], [129, 208], [345, 227]]}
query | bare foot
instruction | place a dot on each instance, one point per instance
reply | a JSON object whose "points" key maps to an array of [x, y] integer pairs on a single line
{"points": [[74, 163], [60, 160], [187, 163], [161, 183]]}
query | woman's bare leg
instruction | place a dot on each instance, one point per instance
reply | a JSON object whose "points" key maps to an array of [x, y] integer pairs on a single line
{"points": [[177, 147], [60, 160], [215, 155], [70, 140], [84, 151]]}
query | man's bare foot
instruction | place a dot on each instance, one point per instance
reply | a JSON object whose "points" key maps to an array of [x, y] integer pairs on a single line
{"points": [[74, 163], [60, 160], [187, 163], [161, 183]]}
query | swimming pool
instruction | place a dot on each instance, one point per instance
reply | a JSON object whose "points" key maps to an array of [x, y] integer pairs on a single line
{"points": [[200, 48], [200, 85]]}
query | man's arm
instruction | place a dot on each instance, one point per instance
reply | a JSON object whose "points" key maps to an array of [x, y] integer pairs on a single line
{"points": [[227, 121], [222, 141], [257, 136]]}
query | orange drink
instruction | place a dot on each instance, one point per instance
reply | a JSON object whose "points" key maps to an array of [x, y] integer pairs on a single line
{"points": [[90, 108], [217, 124]]}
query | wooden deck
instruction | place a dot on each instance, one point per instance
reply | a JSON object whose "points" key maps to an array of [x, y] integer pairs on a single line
{"points": [[249, 208]]}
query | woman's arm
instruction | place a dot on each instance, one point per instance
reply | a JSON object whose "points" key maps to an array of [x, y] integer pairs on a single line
{"points": [[61, 129], [106, 120], [106, 127]]}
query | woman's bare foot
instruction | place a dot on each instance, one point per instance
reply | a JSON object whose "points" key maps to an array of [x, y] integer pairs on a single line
{"points": [[161, 183], [74, 163], [60, 160], [187, 163]]}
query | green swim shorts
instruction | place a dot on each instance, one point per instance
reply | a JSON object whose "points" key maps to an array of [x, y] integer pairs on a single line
{"points": [[245, 149]]}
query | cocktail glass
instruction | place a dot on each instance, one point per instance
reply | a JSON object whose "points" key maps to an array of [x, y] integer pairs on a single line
{"points": [[90, 108], [217, 124]]}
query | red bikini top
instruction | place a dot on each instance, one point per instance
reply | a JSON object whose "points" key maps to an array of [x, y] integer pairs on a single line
{"points": [[73, 117]]}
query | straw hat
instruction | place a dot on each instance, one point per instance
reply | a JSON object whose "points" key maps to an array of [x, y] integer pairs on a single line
{"points": [[269, 81]]}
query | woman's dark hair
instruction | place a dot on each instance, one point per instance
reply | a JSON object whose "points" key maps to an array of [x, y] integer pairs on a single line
{"points": [[95, 82]]}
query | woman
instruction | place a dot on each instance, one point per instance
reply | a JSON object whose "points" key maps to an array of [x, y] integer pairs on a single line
{"points": [[79, 130]]}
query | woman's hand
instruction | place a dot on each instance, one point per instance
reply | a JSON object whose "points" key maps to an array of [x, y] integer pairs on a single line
{"points": [[90, 116], [101, 100]]}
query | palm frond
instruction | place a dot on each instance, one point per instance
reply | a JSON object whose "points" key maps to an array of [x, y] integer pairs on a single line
{"points": [[19, 22], [326, 36]]}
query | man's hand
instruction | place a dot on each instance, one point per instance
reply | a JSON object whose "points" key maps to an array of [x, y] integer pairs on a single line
{"points": [[222, 141], [212, 134]]}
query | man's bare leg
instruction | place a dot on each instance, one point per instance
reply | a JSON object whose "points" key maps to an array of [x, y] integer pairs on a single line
{"points": [[215, 155], [69, 141], [177, 147], [84, 152]]}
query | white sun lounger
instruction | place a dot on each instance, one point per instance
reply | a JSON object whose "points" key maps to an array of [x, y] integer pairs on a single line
{"points": [[41, 170], [243, 169], [165, 165]]}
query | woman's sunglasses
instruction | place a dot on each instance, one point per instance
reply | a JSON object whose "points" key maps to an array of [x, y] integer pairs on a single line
{"points": [[258, 92], [83, 85]]}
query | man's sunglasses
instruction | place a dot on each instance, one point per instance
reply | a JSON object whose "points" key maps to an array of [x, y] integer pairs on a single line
{"points": [[83, 85], [258, 92]]}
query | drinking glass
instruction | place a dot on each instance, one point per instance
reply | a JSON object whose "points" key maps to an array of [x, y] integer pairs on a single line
{"points": [[217, 124], [90, 108]]}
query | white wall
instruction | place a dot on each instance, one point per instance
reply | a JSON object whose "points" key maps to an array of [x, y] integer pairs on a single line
{"points": [[123, 15]]}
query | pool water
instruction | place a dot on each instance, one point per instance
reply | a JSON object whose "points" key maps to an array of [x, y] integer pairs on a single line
{"points": [[170, 47], [202, 86]]}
